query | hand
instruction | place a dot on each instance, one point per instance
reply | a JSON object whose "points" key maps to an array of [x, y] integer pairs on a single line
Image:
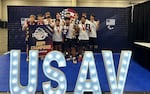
{"points": [[98, 22]]}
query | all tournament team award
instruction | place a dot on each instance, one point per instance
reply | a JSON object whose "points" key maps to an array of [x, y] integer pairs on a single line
{"points": [[87, 27]]}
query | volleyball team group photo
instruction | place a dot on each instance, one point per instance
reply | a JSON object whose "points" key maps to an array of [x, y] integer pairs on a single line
{"points": [[68, 32]]}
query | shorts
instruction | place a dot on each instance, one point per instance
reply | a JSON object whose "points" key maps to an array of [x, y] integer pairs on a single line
{"points": [[74, 43], [69, 43], [93, 41], [57, 43], [84, 43]]}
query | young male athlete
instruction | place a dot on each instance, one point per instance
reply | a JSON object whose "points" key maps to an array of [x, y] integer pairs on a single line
{"points": [[93, 33], [28, 26], [69, 42], [57, 35], [84, 29]]}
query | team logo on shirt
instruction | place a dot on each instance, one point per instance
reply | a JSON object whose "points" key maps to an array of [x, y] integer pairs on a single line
{"points": [[40, 34]]}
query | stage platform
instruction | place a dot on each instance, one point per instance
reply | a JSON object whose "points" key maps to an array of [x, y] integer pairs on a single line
{"points": [[138, 78]]}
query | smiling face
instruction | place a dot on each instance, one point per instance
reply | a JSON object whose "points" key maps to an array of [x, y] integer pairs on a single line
{"points": [[57, 15]]}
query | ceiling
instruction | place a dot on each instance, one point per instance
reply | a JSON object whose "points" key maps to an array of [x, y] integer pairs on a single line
{"points": [[130, 1]]}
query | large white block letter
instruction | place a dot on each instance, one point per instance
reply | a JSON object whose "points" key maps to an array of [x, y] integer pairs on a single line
{"points": [[15, 86], [54, 74], [92, 84], [116, 84]]}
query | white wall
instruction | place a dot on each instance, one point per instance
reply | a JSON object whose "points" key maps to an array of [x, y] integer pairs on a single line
{"points": [[104, 3], [107, 3], [0, 10], [6, 3], [74, 2]]}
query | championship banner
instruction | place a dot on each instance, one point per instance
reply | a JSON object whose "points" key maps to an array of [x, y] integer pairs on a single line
{"points": [[39, 37]]}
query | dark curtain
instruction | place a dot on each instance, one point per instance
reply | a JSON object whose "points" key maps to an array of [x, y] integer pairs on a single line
{"points": [[139, 29]]}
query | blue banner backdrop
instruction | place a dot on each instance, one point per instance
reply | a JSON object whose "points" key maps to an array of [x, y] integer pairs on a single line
{"points": [[115, 39]]}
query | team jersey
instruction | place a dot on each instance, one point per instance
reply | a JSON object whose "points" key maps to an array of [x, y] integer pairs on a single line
{"points": [[83, 31], [93, 27], [57, 34], [69, 31]]}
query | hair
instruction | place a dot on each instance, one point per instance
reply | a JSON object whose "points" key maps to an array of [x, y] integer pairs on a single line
{"points": [[84, 13], [39, 15], [68, 13], [92, 15], [47, 13], [67, 18], [57, 13]]}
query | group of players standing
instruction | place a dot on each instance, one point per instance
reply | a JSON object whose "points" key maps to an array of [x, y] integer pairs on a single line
{"points": [[70, 35]]}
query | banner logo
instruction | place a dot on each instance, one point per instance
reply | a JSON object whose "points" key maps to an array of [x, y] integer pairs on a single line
{"points": [[40, 34]]}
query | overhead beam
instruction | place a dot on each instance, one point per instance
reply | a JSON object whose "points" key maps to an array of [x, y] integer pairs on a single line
{"points": [[0, 9]]}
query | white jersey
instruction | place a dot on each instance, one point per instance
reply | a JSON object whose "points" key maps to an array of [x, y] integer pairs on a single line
{"points": [[69, 30], [83, 32], [57, 34], [86, 21], [93, 27]]}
